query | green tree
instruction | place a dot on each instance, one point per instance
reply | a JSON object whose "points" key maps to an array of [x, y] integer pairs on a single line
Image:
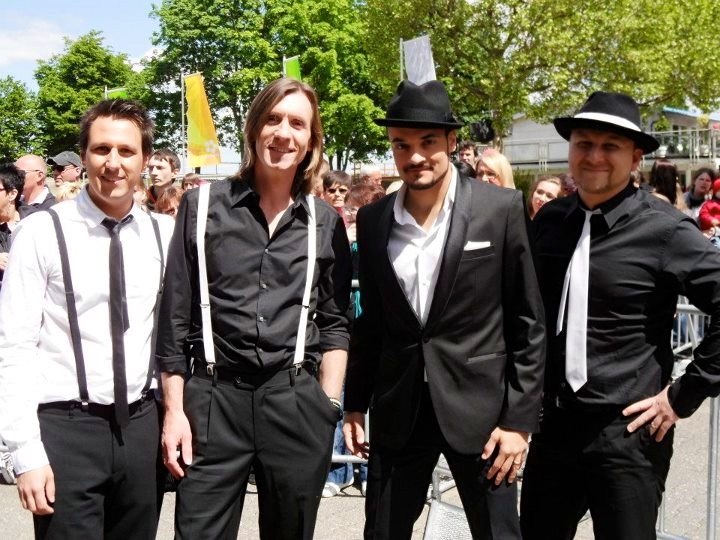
{"points": [[238, 46], [70, 82], [500, 58], [20, 133]]}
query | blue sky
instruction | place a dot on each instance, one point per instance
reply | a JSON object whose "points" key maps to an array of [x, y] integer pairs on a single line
{"points": [[32, 30]]}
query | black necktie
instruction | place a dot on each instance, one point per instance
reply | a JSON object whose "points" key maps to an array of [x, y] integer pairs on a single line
{"points": [[118, 318]]}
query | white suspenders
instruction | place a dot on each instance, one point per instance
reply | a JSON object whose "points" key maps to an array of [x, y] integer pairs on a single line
{"points": [[208, 345]]}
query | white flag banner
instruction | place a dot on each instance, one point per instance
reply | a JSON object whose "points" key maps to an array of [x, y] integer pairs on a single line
{"points": [[419, 64]]}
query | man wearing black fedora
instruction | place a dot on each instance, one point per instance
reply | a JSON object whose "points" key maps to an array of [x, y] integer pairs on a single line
{"points": [[611, 262], [448, 352]]}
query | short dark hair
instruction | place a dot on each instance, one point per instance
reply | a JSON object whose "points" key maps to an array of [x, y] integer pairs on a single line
{"points": [[12, 178], [664, 177], [468, 145], [465, 169], [336, 177], [164, 154], [122, 109]]}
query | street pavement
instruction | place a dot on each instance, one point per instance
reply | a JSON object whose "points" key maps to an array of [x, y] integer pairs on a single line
{"points": [[341, 518]]}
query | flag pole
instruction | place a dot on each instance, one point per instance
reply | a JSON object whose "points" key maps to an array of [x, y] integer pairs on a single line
{"points": [[182, 121], [401, 60]]}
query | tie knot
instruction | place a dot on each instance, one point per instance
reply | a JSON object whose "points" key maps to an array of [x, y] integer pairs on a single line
{"points": [[113, 226]]}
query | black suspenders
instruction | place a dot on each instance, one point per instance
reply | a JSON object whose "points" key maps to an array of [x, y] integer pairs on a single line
{"points": [[72, 309]]}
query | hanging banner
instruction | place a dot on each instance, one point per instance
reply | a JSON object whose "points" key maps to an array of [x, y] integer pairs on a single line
{"points": [[291, 68], [202, 142], [116, 93], [419, 63]]}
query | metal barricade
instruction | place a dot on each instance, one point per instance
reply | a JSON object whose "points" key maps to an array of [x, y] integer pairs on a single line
{"points": [[688, 331]]}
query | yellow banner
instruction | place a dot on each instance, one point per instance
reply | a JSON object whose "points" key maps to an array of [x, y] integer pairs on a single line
{"points": [[203, 148]]}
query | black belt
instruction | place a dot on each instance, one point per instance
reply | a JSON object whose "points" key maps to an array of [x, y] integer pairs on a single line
{"points": [[95, 409], [237, 377], [568, 403]]}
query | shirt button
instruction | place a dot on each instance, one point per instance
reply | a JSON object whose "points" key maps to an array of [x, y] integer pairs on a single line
{"points": [[263, 285], [266, 250], [261, 318]]}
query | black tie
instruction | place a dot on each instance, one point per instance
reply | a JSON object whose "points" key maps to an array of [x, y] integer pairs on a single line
{"points": [[118, 318]]}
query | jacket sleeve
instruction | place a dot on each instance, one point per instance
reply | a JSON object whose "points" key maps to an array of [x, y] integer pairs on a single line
{"points": [[695, 263], [707, 214], [524, 324], [366, 341]]}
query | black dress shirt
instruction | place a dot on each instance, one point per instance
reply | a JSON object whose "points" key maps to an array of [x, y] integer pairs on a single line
{"points": [[643, 254], [256, 283]]}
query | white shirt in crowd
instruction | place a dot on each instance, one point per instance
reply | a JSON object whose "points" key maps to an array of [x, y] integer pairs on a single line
{"points": [[416, 254], [37, 364], [40, 197]]}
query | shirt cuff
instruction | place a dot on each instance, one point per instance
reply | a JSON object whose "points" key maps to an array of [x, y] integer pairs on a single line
{"points": [[330, 341], [683, 398], [172, 364], [29, 456]]}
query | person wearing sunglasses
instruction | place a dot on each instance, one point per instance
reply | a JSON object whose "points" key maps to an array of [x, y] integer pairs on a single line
{"points": [[66, 167], [35, 193], [336, 185]]}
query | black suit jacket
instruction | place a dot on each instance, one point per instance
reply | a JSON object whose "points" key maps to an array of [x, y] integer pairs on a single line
{"points": [[484, 342]]}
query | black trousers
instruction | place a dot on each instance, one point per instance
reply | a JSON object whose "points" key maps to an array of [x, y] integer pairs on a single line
{"points": [[584, 458], [282, 428], [398, 481], [105, 478]]}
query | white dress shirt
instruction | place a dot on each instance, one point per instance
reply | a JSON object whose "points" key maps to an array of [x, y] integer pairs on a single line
{"points": [[37, 364], [416, 254]]}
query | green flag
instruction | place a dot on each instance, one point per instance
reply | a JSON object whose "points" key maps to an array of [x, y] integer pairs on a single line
{"points": [[291, 68], [116, 93]]}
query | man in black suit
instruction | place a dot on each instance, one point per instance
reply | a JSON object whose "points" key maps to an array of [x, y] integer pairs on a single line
{"points": [[448, 352]]}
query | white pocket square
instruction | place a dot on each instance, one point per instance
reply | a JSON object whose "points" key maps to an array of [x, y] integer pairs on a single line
{"points": [[476, 245]]}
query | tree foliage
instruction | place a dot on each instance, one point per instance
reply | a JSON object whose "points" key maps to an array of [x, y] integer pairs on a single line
{"points": [[500, 58], [72, 81], [239, 46], [18, 117]]}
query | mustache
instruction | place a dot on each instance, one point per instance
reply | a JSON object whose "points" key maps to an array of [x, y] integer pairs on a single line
{"points": [[413, 168]]}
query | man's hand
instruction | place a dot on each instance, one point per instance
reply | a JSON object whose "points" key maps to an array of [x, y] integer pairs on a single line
{"points": [[354, 432], [511, 446], [657, 411], [176, 434], [37, 490], [3, 261]]}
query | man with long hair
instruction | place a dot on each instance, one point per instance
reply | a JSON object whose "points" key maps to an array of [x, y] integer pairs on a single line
{"points": [[257, 406]]}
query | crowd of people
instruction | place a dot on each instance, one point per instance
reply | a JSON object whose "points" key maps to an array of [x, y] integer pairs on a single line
{"points": [[209, 331]]}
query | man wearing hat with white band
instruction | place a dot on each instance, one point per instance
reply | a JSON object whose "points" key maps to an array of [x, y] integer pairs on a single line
{"points": [[448, 352], [611, 262]]}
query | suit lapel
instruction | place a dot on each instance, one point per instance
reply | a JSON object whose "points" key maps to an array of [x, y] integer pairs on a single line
{"points": [[454, 245], [391, 285]]}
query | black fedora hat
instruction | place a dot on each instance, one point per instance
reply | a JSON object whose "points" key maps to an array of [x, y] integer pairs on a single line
{"points": [[608, 111], [425, 105]]}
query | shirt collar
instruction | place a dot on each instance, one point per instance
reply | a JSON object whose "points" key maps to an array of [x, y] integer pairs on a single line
{"points": [[611, 210], [41, 196], [93, 216], [403, 217], [241, 189]]}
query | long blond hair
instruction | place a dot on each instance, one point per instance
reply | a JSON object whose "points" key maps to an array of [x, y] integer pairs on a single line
{"points": [[500, 165], [261, 106]]}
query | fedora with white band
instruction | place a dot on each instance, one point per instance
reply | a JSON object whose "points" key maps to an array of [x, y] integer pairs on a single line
{"points": [[608, 111]]}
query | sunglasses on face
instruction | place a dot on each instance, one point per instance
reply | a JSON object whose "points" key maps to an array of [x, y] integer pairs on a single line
{"points": [[332, 190]]}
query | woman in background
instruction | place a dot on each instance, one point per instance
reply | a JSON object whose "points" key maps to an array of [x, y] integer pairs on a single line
{"points": [[543, 190], [494, 167]]}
